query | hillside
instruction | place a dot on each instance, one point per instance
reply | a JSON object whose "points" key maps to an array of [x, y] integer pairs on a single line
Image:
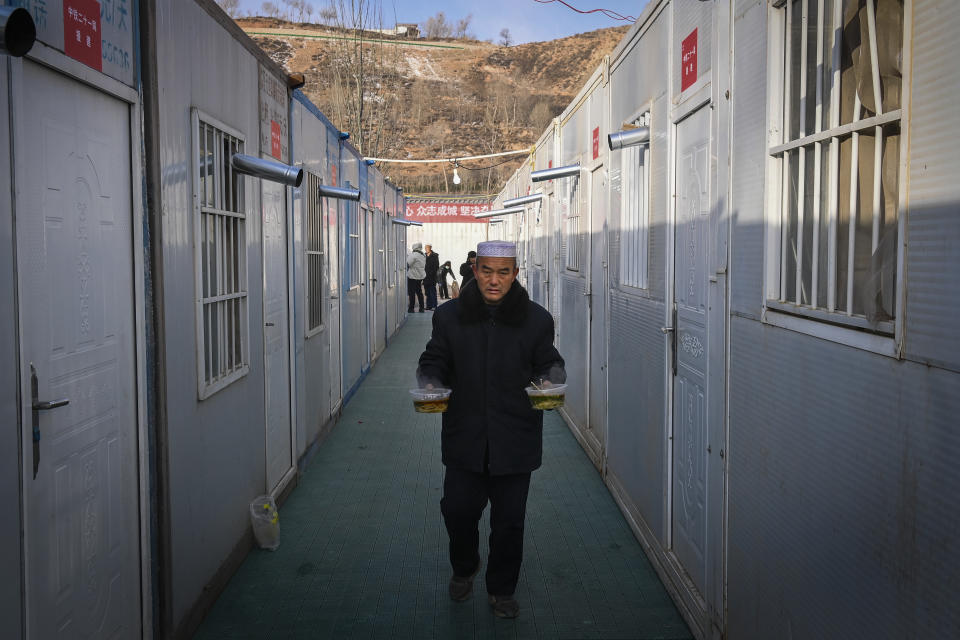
{"points": [[438, 98]]}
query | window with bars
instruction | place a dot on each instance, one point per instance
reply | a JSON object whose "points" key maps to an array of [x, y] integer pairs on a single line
{"points": [[571, 226], [391, 255], [837, 163], [634, 215], [221, 258], [537, 234], [315, 249], [355, 273]]}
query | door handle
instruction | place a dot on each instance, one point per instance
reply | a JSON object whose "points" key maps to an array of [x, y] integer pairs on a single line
{"points": [[268, 324], [39, 405], [666, 330]]}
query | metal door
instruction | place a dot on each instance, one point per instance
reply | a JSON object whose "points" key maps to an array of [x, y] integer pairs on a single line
{"points": [[378, 307], [689, 461], [597, 372], [368, 306], [77, 343], [276, 335]]}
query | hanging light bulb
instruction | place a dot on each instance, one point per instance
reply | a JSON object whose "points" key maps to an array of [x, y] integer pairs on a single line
{"points": [[456, 176]]}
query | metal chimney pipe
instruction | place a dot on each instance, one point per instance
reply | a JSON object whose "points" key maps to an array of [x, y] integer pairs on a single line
{"points": [[555, 173], [499, 212], [523, 200], [267, 169], [341, 193], [17, 31], [628, 138]]}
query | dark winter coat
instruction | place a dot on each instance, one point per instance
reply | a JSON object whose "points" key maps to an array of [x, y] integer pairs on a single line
{"points": [[432, 266], [466, 273], [487, 356]]}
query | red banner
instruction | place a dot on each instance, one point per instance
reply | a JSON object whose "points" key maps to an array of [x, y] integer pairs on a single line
{"points": [[81, 32], [445, 211], [688, 61], [276, 143], [596, 143]]}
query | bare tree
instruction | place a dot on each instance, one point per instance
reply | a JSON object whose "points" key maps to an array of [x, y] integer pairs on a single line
{"points": [[358, 76], [230, 7], [328, 15], [462, 25], [437, 26], [270, 10], [505, 38]]}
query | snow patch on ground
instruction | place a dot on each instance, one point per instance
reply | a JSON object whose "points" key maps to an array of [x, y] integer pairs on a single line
{"points": [[421, 67]]}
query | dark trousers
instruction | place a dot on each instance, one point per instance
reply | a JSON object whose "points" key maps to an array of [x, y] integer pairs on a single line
{"points": [[465, 496], [443, 289], [414, 289], [430, 287]]}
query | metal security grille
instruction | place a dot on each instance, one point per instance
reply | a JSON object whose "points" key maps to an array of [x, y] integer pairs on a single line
{"points": [[634, 216], [571, 227], [222, 260], [315, 252], [392, 255], [838, 163], [353, 245]]}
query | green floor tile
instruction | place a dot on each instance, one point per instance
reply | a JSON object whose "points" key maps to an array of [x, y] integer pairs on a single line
{"points": [[363, 547]]}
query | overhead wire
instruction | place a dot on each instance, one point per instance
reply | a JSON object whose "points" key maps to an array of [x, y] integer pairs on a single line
{"points": [[613, 15]]}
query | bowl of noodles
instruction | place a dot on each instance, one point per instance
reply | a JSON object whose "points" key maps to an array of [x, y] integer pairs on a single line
{"points": [[430, 400], [545, 398]]}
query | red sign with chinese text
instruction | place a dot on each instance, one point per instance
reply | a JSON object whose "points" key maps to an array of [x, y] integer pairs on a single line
{"points": [[81, 32], [596, 143], [276, 148], [445, 211], [333, 174], [688, 61]]}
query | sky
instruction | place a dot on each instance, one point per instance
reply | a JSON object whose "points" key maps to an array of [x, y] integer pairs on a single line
{"points": [[528, 20]]}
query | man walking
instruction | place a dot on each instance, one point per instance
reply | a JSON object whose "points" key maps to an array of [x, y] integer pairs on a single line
{"points": [[486, 346], [430, 281], [416, 262]]}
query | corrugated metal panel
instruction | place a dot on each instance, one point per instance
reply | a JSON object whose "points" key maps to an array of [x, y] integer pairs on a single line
{"points": [[748, 164], [637, 433], [933, 226], [842, 489]]}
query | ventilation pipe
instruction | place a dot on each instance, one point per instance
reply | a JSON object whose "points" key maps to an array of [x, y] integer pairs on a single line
{"points": [[340, 193], [499, 212], [523, 200], [17, 31], [267, 169], [555, 173], [406, 223], [628, 138]]}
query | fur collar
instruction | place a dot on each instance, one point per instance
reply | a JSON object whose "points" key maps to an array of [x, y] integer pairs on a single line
{"points": [[512, 310]]}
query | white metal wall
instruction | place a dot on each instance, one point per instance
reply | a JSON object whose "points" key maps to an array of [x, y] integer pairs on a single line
{"points": [[216, 447]]}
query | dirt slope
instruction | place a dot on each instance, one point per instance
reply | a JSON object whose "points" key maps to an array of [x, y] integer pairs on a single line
{"points": [[441, 98]]}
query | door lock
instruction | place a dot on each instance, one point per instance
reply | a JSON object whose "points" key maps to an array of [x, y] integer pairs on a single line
{"points": [[37, 406]]}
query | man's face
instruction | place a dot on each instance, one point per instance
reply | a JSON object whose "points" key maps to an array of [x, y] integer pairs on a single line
{"points": [[495, 276], [429, 249]]}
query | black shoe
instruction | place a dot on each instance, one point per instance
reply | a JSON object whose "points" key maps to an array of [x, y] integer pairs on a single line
{"points": [[461, 588], [504, 606], [421, 311]]}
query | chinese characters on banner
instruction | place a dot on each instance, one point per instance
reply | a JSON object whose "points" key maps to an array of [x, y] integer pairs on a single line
{"points": [[276, 146], [596, 143], [445, 211], [688, 61], [81, 32], [274, 140]]}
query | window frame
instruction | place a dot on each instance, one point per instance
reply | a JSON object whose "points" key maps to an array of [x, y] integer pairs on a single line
{"points": [[311, 189], [573, 198], [207, 388], [639, 247], [885, 337]]}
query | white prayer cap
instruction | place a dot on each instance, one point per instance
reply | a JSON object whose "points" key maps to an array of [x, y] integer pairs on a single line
{"points": [[496, 249]]}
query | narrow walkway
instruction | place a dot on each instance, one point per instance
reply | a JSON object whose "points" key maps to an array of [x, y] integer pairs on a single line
{"points": [[363, 547]]}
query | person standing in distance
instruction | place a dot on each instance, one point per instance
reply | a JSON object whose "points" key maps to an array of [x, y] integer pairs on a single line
{"points": [[430, 280], [487, 345], [416, 272], [466, 269]]}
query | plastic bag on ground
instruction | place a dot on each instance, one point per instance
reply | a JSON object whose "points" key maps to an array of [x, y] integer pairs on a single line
{"points": [[266, 522]]}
